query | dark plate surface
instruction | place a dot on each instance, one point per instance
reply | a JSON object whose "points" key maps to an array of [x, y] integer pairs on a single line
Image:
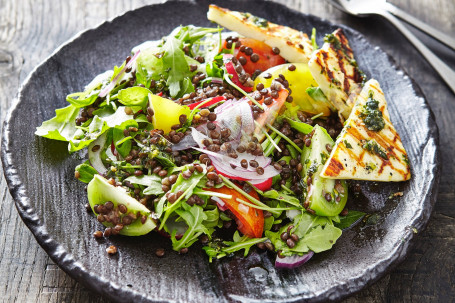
{"points": [[40, 175]]}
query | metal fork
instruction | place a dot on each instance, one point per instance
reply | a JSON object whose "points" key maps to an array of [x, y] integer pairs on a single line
{"points": [[368, 7]]}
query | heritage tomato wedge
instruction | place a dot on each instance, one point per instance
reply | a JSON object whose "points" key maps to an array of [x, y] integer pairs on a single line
{"points": [[264, 59], [250, 220]]}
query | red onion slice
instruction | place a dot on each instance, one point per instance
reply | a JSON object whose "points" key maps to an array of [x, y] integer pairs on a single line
{"points": [[293, 261], [263, 185], [95, 156], [225, 169], [186, 143], [220, 203], [114, 81], [217, 80], [237, 116]]}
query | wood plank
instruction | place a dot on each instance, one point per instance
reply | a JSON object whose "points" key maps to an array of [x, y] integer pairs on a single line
{"points": [[31, 30]]}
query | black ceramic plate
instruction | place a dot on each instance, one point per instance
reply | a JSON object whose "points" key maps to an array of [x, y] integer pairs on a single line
{"points": [[40, 175]]}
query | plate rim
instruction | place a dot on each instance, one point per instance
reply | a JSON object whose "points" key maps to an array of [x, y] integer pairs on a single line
{"points": [[110, 289]]}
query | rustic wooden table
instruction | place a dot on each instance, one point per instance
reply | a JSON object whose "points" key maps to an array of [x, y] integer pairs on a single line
{"points": [[31, 30]]}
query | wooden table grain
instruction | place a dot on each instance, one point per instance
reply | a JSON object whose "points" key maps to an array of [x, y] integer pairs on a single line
{"points": [[31, 30]]}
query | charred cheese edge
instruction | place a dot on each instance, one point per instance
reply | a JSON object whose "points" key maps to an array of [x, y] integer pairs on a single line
{"points": [[335, 71], [363, 154], [294, 45]]}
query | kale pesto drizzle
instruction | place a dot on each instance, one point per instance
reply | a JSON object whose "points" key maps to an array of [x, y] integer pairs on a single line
{"points": [[371, 115]]}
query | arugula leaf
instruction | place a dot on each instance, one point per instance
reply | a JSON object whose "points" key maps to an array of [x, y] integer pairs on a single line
{"points": [[154, 189], [187, 87], [213, 216], [268, 223], [149, 65], [82, 99], [175, 63], [62, 127], [215, 68], [280, 196], [116, 118], [86, 172], [245, 243], [190, 34], [350, 219], [216, 249], [193, 216], [145, 180], [152, 183], [123, 143], [86, 135], [185, 185], [134, 96]]}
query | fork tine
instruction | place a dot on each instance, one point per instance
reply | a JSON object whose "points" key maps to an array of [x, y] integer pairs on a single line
{"points": [[335, 4]]}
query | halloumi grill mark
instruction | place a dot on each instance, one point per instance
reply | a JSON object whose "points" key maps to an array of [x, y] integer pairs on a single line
{"points": [[294, 45], [364, 154], [336, 72]]}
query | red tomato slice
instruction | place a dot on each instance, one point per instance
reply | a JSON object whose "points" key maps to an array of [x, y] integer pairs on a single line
{"points": [[250, 221], [214, 100], [267, 58], [227, 59], [271, 111]]}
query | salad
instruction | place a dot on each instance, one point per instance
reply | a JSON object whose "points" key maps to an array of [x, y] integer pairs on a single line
{"points": [[233, 139]]}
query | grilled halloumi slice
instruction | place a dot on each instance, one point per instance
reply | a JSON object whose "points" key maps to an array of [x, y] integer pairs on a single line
{"points": [[361, 153], [335, 71], [294, 45]]}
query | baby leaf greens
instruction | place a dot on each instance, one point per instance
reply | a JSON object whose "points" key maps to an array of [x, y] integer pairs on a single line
{"points": [[209, 137]]}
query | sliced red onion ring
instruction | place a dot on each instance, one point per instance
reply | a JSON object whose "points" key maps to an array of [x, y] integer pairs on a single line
{"points": [[262, 161], [114, 81], [221, 205], [225, 169], [217, 80], [95, 156], [263, 185], [292, 261], [238, 117], [186, 143]]}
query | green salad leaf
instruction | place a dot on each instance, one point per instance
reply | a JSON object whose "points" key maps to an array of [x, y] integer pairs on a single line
{"points": [[315, 233], [62, 127], [351, 218], [193, 216], [86, 172], [134, 96]]}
